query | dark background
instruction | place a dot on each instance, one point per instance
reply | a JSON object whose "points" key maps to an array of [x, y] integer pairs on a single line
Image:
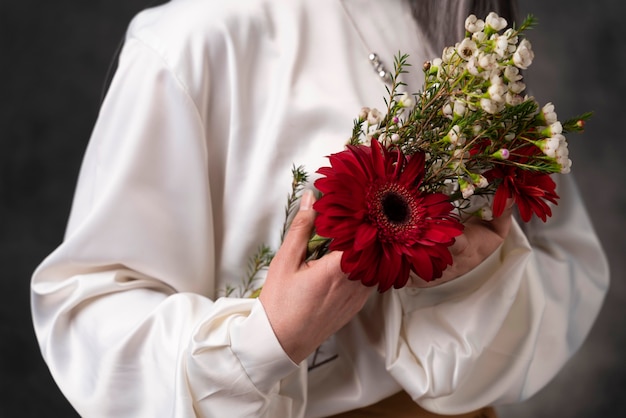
{"points": [[53, 65]]}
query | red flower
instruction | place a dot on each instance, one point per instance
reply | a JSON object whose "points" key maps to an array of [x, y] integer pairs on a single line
{"points": [[530, 190], [374, 212]]}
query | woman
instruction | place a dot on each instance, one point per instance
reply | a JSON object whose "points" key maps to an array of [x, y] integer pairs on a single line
{"points": [[185, 177]]}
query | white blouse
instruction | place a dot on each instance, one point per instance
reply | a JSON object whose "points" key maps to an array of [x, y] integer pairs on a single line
{"points": [[187, 173]]}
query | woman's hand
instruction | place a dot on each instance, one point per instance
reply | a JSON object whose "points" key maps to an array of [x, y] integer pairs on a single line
{"points": [[307, 302], [478, 241]]}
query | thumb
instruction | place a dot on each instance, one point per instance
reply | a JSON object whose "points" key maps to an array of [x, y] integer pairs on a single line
{"points": [[293, 250], [502, 224]]}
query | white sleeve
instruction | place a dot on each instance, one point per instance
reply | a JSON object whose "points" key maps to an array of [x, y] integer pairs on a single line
{"points": [[123, 309], [500, 333]]}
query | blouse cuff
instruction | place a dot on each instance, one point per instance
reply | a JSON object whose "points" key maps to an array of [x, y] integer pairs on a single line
{"points": [[413, 298], [254, 343]]}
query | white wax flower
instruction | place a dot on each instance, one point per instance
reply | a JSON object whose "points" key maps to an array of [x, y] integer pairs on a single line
{"points": [[472, 66], [455, 136], [566, 166], [406, 100], [467, 189], [479, 37], [459, 108], [466, 48], [479, 180], [513, 99], [549, 146], [374, 117], [511, 73], [487, 61], [549, 115], [486, 213], [501, 45], [448, 53], [489, 106], [524, 55], [495, 22], [497, 90], [517, 87], [556, 128], [474, 24], [509, 33]]}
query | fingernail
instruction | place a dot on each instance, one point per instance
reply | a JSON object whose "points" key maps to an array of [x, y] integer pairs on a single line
{"points": [[306, 202]]}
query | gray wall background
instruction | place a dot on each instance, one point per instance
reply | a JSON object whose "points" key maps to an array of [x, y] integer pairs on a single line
{"points": [[53, 63]]}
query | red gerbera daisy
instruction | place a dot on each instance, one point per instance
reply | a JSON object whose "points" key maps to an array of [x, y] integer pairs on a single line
{"points": [[530, 190], [374, 212]]}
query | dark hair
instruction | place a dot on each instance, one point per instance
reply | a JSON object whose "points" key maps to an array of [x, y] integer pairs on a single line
{"points": [[441, 22]]}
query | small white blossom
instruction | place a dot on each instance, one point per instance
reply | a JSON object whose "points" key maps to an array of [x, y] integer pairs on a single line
{"points": [[466, 48], [549, 115], [479, 37], [566, 166], [487, 61], [489, 106], [364, 112], [474, 24], [497, 90], [549, 146], [556, 128], [495, 22], [374, 116], [472, 66], [479, 180], [406, 100], [486, 213], [511, 74], [501, 45], [459, 108], [448, 53], [509, 33], [447, 110], [524, 55], [513, 99], [517, 87], [455, 136], [467, 189]]}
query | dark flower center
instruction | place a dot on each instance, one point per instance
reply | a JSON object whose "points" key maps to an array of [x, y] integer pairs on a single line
{"points": [[395, 208]]}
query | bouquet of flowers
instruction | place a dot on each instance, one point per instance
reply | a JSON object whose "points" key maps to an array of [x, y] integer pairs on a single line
{"points": [[394, 199]]}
